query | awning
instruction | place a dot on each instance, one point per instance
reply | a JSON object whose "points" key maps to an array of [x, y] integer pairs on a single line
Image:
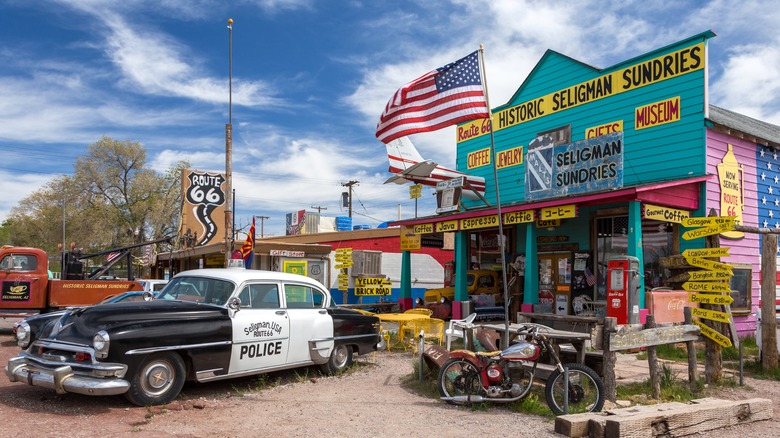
{"points": [[683, 194]]}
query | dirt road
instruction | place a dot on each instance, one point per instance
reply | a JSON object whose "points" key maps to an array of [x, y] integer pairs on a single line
{"points": [[368, 402]]}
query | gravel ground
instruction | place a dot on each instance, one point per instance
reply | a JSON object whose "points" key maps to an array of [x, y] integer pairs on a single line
{"points": [[367, 402]]}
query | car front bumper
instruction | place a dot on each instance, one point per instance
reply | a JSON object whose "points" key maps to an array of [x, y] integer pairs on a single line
{"points": [[63, 379]]}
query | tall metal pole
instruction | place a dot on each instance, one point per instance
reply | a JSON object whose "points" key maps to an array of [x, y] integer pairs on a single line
{"points": [[229, 153]]}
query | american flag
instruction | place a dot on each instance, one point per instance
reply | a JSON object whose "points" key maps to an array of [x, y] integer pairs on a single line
{"points": [[589, 278], [440, 98], [248, 248], [768, 187]]}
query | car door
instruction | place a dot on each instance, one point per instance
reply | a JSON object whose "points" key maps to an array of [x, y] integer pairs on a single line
{"points": [[309, 321], [261, 329]]}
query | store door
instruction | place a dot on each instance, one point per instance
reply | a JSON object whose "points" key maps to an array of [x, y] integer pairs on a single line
{"points": [[555, 282]]}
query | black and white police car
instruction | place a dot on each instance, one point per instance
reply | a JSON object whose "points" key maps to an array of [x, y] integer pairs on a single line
{"points": [[224, 323]]}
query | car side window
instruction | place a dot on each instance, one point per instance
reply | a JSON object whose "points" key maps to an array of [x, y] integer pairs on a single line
{"points": [[303, 297], [260, 296]]}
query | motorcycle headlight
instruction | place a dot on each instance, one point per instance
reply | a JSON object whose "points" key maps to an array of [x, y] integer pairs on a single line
{"points": [[100, 343], [23, 334]]}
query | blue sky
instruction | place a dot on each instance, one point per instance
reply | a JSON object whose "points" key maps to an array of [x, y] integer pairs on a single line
{"points": [[310, 79]]}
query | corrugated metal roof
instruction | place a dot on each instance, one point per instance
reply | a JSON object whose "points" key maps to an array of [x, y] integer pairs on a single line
{"points": [[756, 130]]}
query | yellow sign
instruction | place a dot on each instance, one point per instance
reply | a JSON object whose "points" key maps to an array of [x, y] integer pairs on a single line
{"points": [[712, 334], [709, 275], [479, 222], [548, 224], [607, 128], [559, 212], [409, 239], [518, 217], [372, 291], [703, 286], [732, 190], [341, 266], [628, 78], [657, 113], [711, 299], [423, 229], [713, 315], [665, 214], [708, 221], [706, 231], [478, 158], [509, 157], [415, 191], [447, 226], [706, 252], [709, 264]]}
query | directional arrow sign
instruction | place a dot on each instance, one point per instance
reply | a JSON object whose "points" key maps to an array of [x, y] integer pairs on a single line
{"points": [[707, 231], [711, 299], [703, 286], [712, 334], [710, 314], [708, 221], [708, 275], [709, 264], [706, 252]]}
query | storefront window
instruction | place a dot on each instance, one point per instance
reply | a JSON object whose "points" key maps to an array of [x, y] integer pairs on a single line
{"points": [[611, 240], [486, 249]]}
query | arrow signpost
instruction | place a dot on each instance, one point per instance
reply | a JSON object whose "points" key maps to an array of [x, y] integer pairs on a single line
{"points": [[714, 299]]}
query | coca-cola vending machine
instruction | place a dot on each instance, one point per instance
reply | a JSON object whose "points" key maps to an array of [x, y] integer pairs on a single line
{"points": [[623, 289]]}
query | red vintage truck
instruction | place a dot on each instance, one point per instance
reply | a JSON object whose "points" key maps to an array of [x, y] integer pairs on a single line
{"points": [[27, 289]]}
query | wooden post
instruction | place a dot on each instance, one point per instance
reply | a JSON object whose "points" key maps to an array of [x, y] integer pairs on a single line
{"points": [[652, 362], [768, 322], [610, 357], [691, 346], [713, 360]]}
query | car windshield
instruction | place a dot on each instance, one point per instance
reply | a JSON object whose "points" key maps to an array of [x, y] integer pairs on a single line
{"points": [[199, 289]]}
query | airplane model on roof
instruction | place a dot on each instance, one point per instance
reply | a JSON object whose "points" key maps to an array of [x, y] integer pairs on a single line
{"points": [[408, 166]]}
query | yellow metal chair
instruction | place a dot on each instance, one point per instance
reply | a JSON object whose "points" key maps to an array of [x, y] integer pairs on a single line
{"points": [[431, 328], [420, 311]]}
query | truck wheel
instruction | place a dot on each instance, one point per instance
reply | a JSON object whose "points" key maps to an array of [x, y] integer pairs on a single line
{"points": [[340, 359], [158, 380]]}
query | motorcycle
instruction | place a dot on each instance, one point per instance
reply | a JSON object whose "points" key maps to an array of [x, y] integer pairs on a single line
{"points": [[507, 376]]}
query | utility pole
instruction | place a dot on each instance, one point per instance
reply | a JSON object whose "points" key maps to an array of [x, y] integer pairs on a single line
{"points": [[262, 224], [349, 186], [229, 154], [319, 209]]}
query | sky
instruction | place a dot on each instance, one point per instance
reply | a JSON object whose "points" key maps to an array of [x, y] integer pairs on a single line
{"points": [[309, 81]]}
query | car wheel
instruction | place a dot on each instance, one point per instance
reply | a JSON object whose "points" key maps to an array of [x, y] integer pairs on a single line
{"points": [[158, 380], [340, 359]]}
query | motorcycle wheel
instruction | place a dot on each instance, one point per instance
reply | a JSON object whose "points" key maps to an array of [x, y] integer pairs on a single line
{"points": [[586, 390], [459, 378]]}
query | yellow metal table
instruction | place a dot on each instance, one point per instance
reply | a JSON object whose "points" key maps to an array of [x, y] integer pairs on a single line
{"points": [[402, 320]]}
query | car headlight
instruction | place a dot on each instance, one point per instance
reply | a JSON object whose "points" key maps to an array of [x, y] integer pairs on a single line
{"points": [[418, 301], [101, 343], [23, 334]]}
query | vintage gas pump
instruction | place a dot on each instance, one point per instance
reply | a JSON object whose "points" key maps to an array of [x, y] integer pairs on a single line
{"points": [[623, 289]]}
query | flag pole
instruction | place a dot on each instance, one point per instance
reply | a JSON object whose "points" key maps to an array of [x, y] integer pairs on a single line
{"points": [[501, 240]]}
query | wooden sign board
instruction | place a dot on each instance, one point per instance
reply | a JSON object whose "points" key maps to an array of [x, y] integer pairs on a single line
{"points": [[715, 299], [710, 265], [655, 336], [706, 231], [705, 286], [708, 221], [713, 315], [706, 252], [709, 275], [713, 334]]}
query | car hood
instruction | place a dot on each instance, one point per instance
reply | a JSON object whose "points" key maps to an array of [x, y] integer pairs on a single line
{"points": [[81, 323]]}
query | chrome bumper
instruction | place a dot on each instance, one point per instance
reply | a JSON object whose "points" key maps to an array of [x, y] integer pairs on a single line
{"points": [[62, 379]]}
